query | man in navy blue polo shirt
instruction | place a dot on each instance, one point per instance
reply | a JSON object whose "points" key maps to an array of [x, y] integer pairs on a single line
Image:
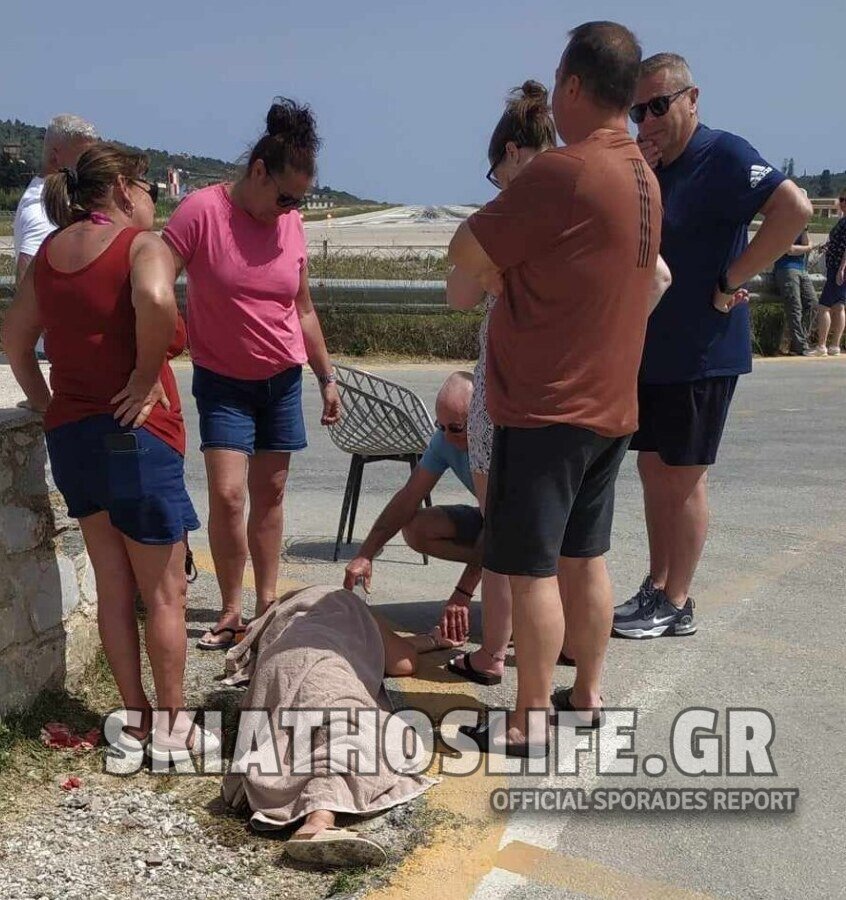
{"points": [[698, 340]]}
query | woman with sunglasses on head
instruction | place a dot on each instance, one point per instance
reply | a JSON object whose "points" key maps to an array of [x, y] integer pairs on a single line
{"points": [[831, 313], [251, 327], [524, 130], [101, 288]]}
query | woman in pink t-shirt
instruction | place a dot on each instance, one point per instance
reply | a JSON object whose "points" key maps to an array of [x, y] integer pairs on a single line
{"points": [[251, 327]]}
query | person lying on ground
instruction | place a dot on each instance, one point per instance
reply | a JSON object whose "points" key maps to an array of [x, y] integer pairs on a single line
{"points": [[322, 648]]}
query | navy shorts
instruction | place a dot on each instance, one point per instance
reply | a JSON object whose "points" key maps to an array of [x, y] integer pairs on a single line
{"points": [[142, 489], [683, 423], [467, 521], [550, 494], [249, 416]]}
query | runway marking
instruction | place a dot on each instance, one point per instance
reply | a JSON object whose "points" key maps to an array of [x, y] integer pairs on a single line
{"points": [[585, 876]]}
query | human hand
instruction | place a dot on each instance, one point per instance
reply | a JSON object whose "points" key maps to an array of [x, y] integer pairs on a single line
{"points": [[841, 275], [725, 303], [136, 401], [650, 152], [331, 404], [455, 618], [359, 568], [32, 407]]}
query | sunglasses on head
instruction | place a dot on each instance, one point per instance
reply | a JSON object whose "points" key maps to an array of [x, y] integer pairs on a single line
{"points": [[283, 200], [658, 106], [452, 428], [151, 187]]}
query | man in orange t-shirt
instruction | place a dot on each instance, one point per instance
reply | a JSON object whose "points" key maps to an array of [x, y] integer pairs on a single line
{"points": [[571, 250]]}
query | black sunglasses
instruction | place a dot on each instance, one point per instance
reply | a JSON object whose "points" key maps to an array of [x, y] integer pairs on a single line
{"points": [[451, 428], [283, 200], [658, 106], [152, 188], [491, 177]]}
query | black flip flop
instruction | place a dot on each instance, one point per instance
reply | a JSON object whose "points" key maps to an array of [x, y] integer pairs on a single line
{"points": [[560, 700], [481, 734], [223, 645], [564, 660], [468, 673]]}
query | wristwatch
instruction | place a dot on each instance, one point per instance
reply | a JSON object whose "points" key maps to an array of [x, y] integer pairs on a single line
{"points": [[331, 378]]}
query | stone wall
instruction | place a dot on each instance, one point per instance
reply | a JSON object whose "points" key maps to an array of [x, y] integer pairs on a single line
{"points": [[48, 626]]}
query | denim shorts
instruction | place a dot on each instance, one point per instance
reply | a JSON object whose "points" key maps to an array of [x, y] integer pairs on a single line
{"points": [[249, 416], [141, 488]]}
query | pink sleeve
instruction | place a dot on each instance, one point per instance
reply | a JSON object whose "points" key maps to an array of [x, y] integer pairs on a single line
{"points": [[304, 243], [182, 231]]}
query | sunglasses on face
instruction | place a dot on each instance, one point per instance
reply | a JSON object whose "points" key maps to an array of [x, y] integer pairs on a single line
{"points": [[286, 201], [151, 188], [658, 106], [491, 177], [452, 428]]}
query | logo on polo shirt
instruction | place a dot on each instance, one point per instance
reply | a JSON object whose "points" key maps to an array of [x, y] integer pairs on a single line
{"points": [[757, 174]]}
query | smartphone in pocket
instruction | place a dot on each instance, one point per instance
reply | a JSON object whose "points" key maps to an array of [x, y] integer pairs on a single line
{"points": [[121, 442]]}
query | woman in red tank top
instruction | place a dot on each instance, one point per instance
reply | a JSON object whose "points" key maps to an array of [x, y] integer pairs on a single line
{"points": [[101, 291]]}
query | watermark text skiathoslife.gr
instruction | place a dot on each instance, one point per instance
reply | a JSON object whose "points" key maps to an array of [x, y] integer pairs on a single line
{"points": [[702, 742]]}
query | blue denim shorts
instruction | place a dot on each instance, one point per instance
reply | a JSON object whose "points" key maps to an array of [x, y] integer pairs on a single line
{"points": [[141, 488], [249, 416]]}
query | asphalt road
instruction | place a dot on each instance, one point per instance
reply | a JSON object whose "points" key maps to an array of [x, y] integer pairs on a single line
{"points": [[769, 596]]}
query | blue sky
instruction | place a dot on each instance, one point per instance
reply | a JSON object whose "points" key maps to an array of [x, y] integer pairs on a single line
{"points": [[406, 94]]}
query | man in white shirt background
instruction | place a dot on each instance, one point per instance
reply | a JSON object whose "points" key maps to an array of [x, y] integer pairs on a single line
{"points": [[67, 138]]}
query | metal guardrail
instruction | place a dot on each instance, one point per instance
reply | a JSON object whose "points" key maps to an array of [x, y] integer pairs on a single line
{"points": [[411, 296]]}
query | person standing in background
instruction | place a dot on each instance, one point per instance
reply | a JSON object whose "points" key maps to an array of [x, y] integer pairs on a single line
{"points": [[797, 291], [66, 139], [831, 316]]}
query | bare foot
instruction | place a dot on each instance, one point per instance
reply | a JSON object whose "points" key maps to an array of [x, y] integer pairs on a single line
{"points": [[483, 662], [228, 627], [315, 822]]}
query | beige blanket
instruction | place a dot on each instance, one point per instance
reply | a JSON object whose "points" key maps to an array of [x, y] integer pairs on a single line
{"points": [[318, 649]]}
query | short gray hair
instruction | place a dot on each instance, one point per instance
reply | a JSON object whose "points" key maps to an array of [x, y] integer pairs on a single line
{"points": [[673, 63], [67, 128]]}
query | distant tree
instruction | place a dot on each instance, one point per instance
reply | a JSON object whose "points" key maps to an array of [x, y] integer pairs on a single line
{"points": [[790, 167], [826, 187], [784, 164]]}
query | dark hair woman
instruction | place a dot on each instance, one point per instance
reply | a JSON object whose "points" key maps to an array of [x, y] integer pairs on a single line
{"points": [[251, 327], [101, 289]]}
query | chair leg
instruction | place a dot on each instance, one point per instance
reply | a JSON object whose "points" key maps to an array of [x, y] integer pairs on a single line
{"points": [[355, 495], [345, 506], [427, 500]]}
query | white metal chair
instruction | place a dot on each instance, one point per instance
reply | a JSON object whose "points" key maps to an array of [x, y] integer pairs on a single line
{"points": [[381, 420]]}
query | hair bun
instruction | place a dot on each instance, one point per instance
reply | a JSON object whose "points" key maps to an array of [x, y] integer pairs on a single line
{"points": [[291, 120], [534, 90]]}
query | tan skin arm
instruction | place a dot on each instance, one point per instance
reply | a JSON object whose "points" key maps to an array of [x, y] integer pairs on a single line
{"points": [[24, 259], [786, 214], [315, 345], [399, 512], [468, 255], [21, 330], [152, 275]]}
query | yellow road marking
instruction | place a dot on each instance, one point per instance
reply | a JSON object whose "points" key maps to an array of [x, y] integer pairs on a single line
{"points": [[203, 560], [585, 876]]}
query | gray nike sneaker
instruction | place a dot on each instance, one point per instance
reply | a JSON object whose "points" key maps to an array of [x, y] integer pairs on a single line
{"points": [[657, 618], [633, 604]]}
